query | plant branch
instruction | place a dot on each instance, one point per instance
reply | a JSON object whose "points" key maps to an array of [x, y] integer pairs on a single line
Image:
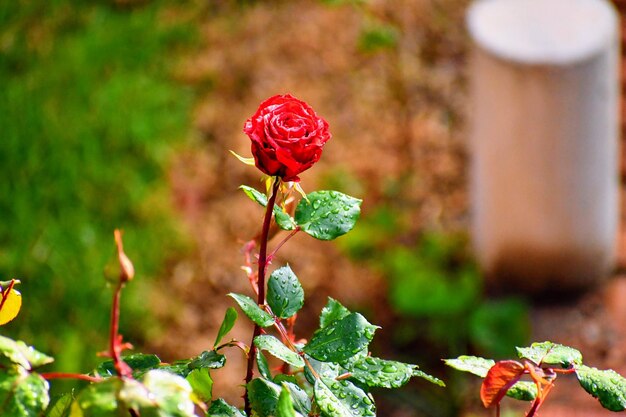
{"points": [[289, 236], [115, 339], [260, 284], [65, 375]]}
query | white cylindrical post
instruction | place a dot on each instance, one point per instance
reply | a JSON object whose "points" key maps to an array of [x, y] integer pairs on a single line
{"points": [[544, 141]]}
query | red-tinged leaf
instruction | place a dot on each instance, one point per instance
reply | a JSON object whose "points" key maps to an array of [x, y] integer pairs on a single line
{"points": [[501, 376]]}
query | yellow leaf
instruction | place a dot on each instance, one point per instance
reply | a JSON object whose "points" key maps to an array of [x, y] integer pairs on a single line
{"points": [[11, 306], [247, 161]]}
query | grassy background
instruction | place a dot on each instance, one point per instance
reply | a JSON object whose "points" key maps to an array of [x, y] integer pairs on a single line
{"points": [[89, 115]]}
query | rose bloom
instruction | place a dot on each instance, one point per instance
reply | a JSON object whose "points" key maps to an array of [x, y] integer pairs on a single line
{"points": [[287, 136]]}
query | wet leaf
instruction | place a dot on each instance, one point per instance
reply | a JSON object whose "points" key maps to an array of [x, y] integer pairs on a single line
{"points": [[19, 353], [283, 220], [285, 295], [139, 363], [548, 353], [23, 394], [201, 383], [376, 372], [341, 339], [279, 350], [523, 391], [326, 215], [208, 359], [299, 398], [263, 396], [342, 399], [332, 311], [227, 324], [252, 310], [607, 386], [502, 376], [326, 369], [429, 378], [220, 408], [261, 363]]}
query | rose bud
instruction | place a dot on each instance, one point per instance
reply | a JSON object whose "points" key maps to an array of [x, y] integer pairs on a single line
{"points": [[287, 136]]}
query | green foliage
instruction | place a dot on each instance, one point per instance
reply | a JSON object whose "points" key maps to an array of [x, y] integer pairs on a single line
{"points": [[23, 394], [252, 310], [230, 317], [284, 407], [278, 350], [607, 386], [285, 295], [548, 353], [89, 114], [341, 339], [326, 215], [342, 399], [220, 408], [17, 353], [376, 372], [283, 220]]}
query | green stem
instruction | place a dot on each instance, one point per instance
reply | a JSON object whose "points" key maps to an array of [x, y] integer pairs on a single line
{"points": [[261, 285]]}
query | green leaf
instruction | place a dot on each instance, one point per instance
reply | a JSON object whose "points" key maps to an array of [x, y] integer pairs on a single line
{"points": [[326, 369], [252, 310], [342, 399], [201, 383], [376, 372], [285, 405], [522, 390], [299, 398], [326, 215], [98, 400], [279, 350], [549, 353], [19, 353], [341, 339], [227, 324], [220, 408], [283, 220], [607, 386], [172, 394], [285, 295], [23, 394], [61, 407], [429, 378], [261, 363], [139, 363], [472, 364], [263, 396], [332, 311], [208, 359]]}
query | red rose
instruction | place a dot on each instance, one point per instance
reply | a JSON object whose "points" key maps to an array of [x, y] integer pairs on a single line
{"points": [[287, 136]]}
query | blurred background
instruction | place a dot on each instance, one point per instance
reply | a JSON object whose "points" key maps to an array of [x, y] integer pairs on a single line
{"points": [[121, 113]]}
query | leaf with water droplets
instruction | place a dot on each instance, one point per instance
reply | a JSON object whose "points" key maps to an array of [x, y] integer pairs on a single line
{"points": [[326, 369], [283, 220], [607, 386], [14, 352], [227, 324], [23, 394], [548, 353], [262, 365], [326, 215], [376, 372], [278, 349], [332, 311], [285, 295], [220, 408], [208, 359], [341, 339], [342, 399], [252, 310], [263, 397]]}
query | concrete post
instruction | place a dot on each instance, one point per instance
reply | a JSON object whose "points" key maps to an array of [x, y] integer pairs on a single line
{"points": [[544, 142]]}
